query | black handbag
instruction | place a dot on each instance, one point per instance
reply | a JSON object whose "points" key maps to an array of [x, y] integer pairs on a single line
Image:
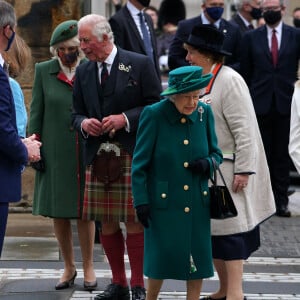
{"points": [[221, 203]]}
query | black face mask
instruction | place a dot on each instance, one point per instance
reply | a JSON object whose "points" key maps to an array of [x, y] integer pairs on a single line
{"points": [[71, 57], [255, 13], [145, 3], [296, 22], [272, 16]]}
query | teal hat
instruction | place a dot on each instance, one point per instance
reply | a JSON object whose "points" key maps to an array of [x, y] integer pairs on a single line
{"points": [[186, 79], [63, 32]]}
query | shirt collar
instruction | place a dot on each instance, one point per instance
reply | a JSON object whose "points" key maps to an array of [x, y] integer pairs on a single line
{"points": [[1, 60], [246, 22], [110, 58], [132, 9], [278, 28]]}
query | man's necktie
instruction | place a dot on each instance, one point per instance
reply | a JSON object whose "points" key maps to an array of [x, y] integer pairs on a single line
{"points": [[274, 48], [104, 74], [146, 36]]}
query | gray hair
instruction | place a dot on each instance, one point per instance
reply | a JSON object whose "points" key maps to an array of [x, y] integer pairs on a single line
{"points": [[239, 3], [7, 15], [99, 25], [281, 2]]}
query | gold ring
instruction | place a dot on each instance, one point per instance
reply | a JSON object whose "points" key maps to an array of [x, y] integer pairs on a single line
{"points": [[113, 131]]}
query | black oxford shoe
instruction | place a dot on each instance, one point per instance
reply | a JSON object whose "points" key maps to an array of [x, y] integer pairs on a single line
{"points": [[283, 211], [114, 292], [138, 293]]}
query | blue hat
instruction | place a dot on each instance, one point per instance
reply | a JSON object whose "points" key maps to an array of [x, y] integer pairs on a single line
{"points": [[63, 32], [186, 79]]}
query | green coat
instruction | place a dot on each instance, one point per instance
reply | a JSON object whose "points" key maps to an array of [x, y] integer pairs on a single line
{"points": [[58, 191], [179, 200]]}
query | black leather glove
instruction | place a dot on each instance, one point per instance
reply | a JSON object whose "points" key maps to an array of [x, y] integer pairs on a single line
{"points": [[199, 166], [143, 214]]}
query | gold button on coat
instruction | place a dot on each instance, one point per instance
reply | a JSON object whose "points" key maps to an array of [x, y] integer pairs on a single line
{"points": [[205, 193], [186, 142], [186, 209], [185, 164], [163, 195], [183, 120], [185, 187]]}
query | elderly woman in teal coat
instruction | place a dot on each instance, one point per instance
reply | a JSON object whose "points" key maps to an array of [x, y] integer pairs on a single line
{"points": [[172, 163], [58, 191]]}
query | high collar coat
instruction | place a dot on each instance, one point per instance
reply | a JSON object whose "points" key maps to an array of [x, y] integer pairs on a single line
{"points": [[179, 199]]}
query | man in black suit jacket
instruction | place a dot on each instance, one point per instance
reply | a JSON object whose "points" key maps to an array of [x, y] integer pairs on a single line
{"points": [[110, 91], [247, 11], [127, 29], [271, 85], [212, 12]]}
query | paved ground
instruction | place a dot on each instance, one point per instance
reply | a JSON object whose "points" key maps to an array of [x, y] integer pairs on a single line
{"points": [[31, 262]]}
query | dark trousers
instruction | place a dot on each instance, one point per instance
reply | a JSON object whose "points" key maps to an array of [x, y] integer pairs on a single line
{"points": [[3, 222], [275, 128]]}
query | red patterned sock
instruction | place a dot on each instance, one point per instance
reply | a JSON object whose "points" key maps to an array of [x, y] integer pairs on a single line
{"points": [[114, 248], [135, 250]]}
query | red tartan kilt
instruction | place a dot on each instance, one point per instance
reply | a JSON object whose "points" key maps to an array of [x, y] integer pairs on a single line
{"points": [[113, 205]]}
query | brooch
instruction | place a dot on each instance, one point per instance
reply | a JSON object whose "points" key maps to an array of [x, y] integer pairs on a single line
{"points": [[200, 111], [124, 68]]}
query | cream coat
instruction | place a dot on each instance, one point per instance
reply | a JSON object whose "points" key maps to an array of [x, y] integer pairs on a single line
{"points": [[237, 131], [294, 144]]}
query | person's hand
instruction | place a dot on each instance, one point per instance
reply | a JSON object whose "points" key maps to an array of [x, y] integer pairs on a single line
{"points": [[92, 127], [33, 148], [240, 181], [199, 166], [143, 214], [112, 123]]}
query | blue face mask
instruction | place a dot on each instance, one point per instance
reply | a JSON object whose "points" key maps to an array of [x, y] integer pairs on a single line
{"points": [[10, 40], [215, 12]]}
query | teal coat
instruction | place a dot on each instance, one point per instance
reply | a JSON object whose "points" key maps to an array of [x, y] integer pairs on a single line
{"points": [[58, 191], [179, 228]]}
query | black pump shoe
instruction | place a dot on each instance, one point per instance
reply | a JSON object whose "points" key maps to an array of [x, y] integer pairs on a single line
{"points": [[66, 284], [210, 298], [90, 285]]}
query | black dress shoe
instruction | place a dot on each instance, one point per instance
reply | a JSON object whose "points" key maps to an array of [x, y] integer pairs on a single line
{"points": [[210, 298], [138, 293], [114, 292], [66, 284], [283, 212], [90, 285]]}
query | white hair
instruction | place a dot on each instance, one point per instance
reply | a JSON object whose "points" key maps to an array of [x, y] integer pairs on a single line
{"points": [[99, 25]]}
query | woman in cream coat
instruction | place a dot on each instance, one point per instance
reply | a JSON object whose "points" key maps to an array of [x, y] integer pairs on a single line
{"points": [[244, 167], [294, 145]]}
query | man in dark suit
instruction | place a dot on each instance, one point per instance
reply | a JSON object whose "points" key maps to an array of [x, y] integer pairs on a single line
{"points": [[127, 27], [211, 14], [269, 63], [247, 11], [110, 91], [14, 152]]}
